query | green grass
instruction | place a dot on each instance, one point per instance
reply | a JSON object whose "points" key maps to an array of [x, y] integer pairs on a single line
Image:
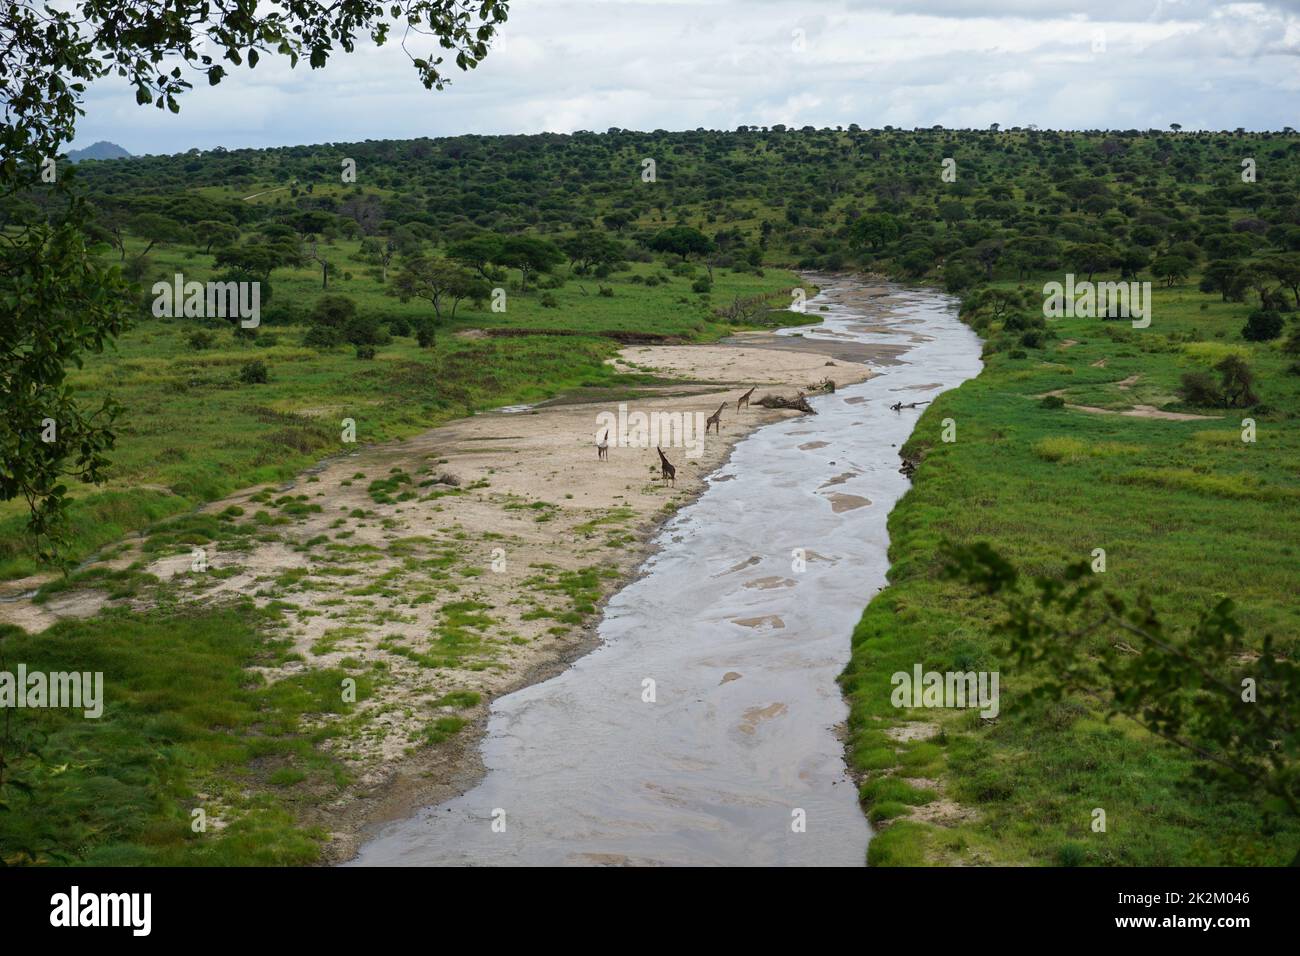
{"points": [[182, 717], [1185, 511]]}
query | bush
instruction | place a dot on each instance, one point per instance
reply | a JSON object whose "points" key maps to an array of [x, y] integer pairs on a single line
{"points": [[1199, 388], [607, 291], [399, 325], [1070, 854], [1033, 339], [365, 330], [284, 313], [254, 373], [201, 339], [424, 335], [322, 337], [702, 285], [1237, 379], [365, 351], [1262, 326], [548, 301], [1052, 401]]}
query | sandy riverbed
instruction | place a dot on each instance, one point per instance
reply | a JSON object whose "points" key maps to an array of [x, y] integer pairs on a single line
{"points": [[531, 510]]}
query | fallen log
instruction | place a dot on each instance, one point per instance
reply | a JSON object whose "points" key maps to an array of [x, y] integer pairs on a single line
{"points": [[799, 403]]}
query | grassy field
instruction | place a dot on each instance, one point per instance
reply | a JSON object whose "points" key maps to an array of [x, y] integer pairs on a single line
{"points": [[1185, 510], [192, 432], [187, 724]]}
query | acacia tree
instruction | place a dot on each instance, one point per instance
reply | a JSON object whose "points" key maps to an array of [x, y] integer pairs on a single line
{"points": [[155, 228], [439, 282], [211, 232], [874, 230], [479, 253], [591, 248], [529, 256], [1171, 269], [684, 241], [60, 302]]}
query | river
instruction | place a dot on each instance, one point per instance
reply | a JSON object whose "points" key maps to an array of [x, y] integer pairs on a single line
{"points": [[704, 730]]}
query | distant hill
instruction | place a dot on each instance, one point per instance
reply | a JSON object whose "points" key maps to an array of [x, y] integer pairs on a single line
{"points": [[101, 150]]}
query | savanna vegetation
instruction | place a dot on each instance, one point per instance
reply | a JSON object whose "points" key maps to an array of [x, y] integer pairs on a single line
{"points": [[374, 258]]}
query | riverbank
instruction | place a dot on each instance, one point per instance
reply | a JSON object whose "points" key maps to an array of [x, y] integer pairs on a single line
{"points": [[703, 728], [433, 574], [1185, 511]]}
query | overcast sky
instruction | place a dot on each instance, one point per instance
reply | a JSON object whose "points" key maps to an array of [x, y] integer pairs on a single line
{"points": [[565, 65]]}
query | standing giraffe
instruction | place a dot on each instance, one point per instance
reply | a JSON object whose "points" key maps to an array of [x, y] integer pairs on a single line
{"points": [[715, 420], [743, 401], [666, 469]]}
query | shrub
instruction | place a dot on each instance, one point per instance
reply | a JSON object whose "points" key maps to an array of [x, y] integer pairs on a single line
{"points": [[702, 285], [548, 301], [201, 339], [1199, 388], [1070, 854], [322, 337], [283, 313], [399, 325], [1263, 325], [365, 330], [1052, 401], [1237, 379], [254, 373], [365, 351]]}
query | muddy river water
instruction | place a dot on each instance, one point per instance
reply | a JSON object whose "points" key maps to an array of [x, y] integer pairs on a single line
{"points": [[703, 729]]}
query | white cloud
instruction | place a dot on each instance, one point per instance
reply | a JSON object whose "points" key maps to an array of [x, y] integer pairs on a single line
{"points": [[592, 64]]}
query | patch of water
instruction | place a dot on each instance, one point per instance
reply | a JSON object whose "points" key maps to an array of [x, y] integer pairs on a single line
{"points": [[741, 625]]}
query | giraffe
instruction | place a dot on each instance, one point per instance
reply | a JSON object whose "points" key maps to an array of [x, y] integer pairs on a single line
{"points": [[743, 401], [602, 447], [715, 420], [666, 469]]}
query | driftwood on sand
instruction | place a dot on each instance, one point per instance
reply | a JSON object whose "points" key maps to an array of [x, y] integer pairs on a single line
{"points": [[799, 403]]}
